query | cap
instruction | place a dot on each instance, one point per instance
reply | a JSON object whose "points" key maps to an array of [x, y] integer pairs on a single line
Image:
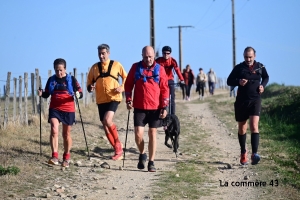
{"points": [[166, 48]]}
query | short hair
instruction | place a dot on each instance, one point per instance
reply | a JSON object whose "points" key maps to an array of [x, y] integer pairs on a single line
{"points": [[59, 61], [103, 46], [249, 49]]}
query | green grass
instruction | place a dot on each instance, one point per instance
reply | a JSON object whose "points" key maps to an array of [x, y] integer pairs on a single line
{"points": [[11, 170]]}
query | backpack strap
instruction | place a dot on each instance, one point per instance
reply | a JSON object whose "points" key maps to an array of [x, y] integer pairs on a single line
{"points": [[139, 73], [106, 74]]}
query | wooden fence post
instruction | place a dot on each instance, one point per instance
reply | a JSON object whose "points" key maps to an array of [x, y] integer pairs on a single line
{"points": [[32, 94], [25, 98], [7, 91], [41, 104], [48, 99], [20, 101], [15, 100], [37, 84], [83, 88]]}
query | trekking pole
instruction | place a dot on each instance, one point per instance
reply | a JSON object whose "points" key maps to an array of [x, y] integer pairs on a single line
{"points": [[126, 136], [82, 126], [40, 98]]}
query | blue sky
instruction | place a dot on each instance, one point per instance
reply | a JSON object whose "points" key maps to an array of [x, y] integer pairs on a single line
{"points": [[34, 33]]}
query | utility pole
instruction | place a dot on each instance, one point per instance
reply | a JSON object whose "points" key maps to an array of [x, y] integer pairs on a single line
{"points": [[152, 30], [233, 35], [180, 49]]}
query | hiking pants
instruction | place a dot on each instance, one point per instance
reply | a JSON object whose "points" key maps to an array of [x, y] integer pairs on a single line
{"points": [[172, 93], [188, 90], [211, 87], [201, 89]]}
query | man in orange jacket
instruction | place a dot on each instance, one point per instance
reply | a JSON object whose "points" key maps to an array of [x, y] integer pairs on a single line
{"points": [[103, 78], [151, 97]]}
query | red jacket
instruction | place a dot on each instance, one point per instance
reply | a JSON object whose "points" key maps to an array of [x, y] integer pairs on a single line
{"points": [[170, 64], [148, 95]]}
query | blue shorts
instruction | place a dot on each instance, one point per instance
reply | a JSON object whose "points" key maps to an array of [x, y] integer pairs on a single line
{"points": [[67, 118]]}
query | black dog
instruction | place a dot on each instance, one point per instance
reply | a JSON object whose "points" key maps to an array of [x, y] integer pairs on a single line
{"points": [[173, 131]]}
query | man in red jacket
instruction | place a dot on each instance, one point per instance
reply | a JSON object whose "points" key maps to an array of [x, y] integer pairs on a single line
{"points": [[151, 97], [169, 64]]}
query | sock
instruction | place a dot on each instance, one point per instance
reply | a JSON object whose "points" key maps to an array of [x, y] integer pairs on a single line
{"points": [[66, 156], [242, 141], [254, 142], [113, 130], [111, 139], [55, 155]]}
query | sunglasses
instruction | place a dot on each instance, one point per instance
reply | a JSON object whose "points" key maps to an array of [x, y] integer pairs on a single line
{"points": [[166, 53]]}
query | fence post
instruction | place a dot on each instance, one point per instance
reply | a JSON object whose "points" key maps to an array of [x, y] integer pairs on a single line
{"points": [[15, 100], [49, 75], [25, 98], [82, 87], [41, 104], [87, 94], [7, 91], [20, 100], [32, 94], [37, 82]]}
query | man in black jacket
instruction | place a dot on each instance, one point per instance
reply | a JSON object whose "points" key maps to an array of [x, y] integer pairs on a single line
{"points": [[251, 77]]}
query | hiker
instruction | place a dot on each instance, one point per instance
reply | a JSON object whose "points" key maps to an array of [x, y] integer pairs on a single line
{"points": [[103, 78], [189, 80], [62, 87], [169, 65], [182, 86], [212, 81], [200, 82], [151, 97], [251, 78], [232, 91]]}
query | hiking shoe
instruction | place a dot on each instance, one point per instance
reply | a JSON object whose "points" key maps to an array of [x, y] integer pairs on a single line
{"points": [[244, 159], [255, 158], [151, 167], [142, 160], [65, 163], [53, 161]]}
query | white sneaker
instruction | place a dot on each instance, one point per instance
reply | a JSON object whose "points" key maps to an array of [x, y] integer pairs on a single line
{"points": [[189, 99]]}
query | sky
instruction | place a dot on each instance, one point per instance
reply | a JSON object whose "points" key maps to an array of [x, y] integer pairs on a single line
{"points": [[34, 33]]}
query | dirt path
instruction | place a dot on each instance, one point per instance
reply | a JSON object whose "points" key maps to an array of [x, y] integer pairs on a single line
{"points": [[85, 179]]}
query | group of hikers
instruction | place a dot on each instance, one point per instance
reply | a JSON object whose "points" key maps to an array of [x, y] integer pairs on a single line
{"points": [[148, 86]]}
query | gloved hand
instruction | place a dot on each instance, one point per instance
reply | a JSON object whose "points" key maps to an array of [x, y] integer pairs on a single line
{"points": [[182, 82], [77, 94]]}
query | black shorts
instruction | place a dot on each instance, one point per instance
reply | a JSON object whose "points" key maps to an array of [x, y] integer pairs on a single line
{"points": [[104, 107], [150, 117], [67, 118], [245, 109]]}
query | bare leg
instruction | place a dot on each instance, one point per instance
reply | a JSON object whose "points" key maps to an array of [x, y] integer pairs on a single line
{"points": [[152, 143]]}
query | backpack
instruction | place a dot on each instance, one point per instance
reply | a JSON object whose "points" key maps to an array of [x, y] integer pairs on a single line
{"points": [[139, 73], [53, 84], [106, 74]]}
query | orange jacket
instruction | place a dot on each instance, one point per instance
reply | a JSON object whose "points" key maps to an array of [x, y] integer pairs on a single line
{"points": [[105, 86], [148, 95]]}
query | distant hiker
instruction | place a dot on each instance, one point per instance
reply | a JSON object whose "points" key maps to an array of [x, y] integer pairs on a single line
{"points": [[200, 82], [62, 87], [232, 91], [149, 83], [182, 86], [189, 80], [251, 77], [169, 65], [212, 81], [103, 77]]}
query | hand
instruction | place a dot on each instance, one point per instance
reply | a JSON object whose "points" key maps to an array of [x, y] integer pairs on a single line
{"points": [[91, 88], [182, 82], [261, 89], [129, 105], [77, 94], [163, 113], [40, 92], [243, 82], [119, 89]]}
